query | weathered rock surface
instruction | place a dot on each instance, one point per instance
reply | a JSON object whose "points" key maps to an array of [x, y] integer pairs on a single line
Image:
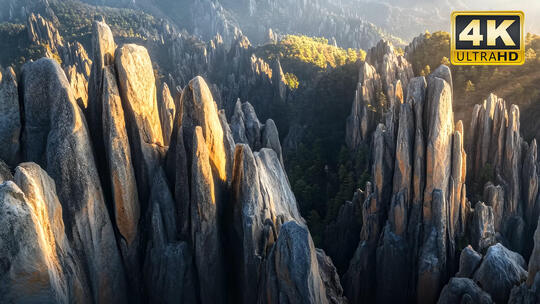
{"points": [[171, 279], [246, 128], [469, 260], [31, 272], [330, 279], [482, 230], [125, 199], [48, 97], [41, 266], [103, 48], [263, 201], [463, 290], [205, 232], [367, 97], [500, 270], [500, 155], [199, 109], [534, 261], [122, 175], [292, 271], [5, 173], [167, 111], [10, 119], [169, 271], [138, 91], [418, 177]]}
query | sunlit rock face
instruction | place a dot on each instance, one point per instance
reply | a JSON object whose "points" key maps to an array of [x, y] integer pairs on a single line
{"points": [[122, 175], [167, 111], [103, 47], [56, 122], [43, 267], [139, 100], [26, 275]]}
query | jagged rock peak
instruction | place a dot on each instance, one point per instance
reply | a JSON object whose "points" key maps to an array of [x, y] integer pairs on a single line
{"points": [[381, 80], [246, 128], [390, 65], [500, 154], [41, 30], [200, 109], [418, 184], [137, 88]]}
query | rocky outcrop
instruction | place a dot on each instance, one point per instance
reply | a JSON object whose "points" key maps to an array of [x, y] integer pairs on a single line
{"points": [[292, 271], [41, 266], [168, 267], [10, 119], [496, 276], [125, 199], [381, 80], [418, 181], [40, 30], [246, 128], [482, 229], [122, 177], [500, 156], [31, 271], [47, 97], [499, 271], [469, 261], [138, 91], [167, 111], [463, 290], [258, 211], [205, 233]]}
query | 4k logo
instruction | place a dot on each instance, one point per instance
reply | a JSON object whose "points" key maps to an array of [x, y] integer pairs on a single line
{"points": [[487, 38]]}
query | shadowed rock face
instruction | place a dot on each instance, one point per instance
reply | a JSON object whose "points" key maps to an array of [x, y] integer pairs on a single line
{"points": [[463, 290], [500, 270], [10, 121], [292, 270], [5, 173]]}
